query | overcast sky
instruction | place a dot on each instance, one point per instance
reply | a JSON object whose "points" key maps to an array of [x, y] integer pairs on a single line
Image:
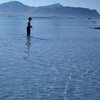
{"points": [[92, 4]]}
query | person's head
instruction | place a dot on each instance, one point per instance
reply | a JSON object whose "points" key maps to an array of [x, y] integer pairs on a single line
{"points": [[30, 18]]}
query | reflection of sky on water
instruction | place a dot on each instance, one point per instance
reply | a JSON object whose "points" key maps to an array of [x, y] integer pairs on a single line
{"points": [[60, 61]]}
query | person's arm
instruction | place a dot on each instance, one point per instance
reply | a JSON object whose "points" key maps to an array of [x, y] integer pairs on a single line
{"points": [[29, 24]]}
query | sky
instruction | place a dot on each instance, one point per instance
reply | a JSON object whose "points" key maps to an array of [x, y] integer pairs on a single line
{"points": [[92, 4]]}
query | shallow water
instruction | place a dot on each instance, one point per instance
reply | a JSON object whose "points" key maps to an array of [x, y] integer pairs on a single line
{"points": [[60, 61]]}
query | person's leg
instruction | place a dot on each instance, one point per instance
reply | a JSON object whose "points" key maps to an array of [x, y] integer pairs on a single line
{"points": [[28, 31]]}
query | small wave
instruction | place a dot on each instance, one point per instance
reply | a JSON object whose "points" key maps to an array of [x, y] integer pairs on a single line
{"points": [[66, 87], [38, 38]]}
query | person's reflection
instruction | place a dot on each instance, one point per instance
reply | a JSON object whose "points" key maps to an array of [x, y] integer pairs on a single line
{"points": [[27, 51], [28, 42]]}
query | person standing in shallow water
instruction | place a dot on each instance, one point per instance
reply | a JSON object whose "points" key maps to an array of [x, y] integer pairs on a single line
{"points": [[29, 26]]}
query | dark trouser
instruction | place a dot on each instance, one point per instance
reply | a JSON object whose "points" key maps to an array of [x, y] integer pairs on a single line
{"points": [[28, 31]]}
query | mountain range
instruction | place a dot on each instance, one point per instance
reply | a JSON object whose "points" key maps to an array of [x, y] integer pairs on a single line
{"points": [[15, 8]]}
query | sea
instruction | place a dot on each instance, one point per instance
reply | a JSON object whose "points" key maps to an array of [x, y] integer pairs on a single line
{"points": [[59, 61]]}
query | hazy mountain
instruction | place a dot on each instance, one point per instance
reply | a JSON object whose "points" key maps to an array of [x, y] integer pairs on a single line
{"points": [[61, 11], [14, 8], [55, 10]]}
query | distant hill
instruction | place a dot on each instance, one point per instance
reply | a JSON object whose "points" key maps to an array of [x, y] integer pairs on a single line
{"points": [[15, 8]]}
